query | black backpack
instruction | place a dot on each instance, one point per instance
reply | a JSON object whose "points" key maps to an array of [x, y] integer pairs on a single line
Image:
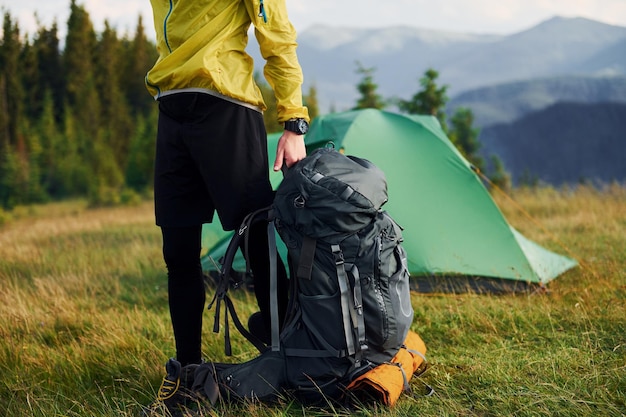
{"points": [[350, 307]]}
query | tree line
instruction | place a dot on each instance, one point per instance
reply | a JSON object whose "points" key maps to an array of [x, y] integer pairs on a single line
{"points": [[74, 121], [77, 121]]}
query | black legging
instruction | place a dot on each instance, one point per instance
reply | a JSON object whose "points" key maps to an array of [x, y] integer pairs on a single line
{"points": [[181, 252]]}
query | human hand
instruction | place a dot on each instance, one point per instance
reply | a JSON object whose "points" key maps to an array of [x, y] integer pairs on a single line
{"points": [[290, 150]]}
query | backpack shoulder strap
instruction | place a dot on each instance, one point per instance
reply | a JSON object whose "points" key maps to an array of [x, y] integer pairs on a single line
{"points": [[274, 319], [225, 278]]}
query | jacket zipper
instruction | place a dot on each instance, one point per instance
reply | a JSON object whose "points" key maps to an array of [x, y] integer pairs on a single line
{"points": [[262, 12], [167, 42]]}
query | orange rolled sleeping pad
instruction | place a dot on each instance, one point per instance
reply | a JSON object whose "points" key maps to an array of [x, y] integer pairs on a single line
{"points": [[387, 381]]}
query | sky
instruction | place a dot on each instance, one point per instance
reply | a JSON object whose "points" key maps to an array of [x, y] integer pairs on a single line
{"points": [[473, 16]]}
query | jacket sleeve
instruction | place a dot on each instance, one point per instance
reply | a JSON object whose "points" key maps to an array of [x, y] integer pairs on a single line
{"points": [[277, 39]]}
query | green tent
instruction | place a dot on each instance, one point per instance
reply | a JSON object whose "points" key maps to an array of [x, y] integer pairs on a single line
{"points": [[452, 227]]}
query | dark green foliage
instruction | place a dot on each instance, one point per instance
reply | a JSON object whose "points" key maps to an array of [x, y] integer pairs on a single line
{"points": [[49, 76], [431, 99], [498, 175], [137, 56], [465, 137], [369, 98], [77, 121], [11, 87], [10, 179], [140, 162]]}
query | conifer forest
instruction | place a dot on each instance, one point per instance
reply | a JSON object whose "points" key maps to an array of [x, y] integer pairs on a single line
{"points": [[75, 117]]}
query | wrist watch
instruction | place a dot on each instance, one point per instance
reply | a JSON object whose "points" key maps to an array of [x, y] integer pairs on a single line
{"points": [[299, 126]]}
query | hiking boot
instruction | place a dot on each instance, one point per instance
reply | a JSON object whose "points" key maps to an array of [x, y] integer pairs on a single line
{"points": [[175, 395]]}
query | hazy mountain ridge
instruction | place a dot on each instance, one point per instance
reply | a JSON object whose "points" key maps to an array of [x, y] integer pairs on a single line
{"points": [[325, 38], [504, 103], [564, 143], [609, 61], [465, 61]]}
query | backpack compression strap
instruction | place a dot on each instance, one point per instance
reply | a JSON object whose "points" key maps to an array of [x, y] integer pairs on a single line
{"points": [[356, 307], [354, 314], [348, 308], [274, 331], [343, 291]]}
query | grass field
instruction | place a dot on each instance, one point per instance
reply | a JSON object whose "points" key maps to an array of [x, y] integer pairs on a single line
{"points": [[85, 326]]}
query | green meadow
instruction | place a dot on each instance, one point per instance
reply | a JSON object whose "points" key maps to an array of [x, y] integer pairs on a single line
{"points": [[85, 329]]}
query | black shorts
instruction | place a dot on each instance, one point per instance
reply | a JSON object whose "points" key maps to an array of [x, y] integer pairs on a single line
{"points": [[211, 155]]}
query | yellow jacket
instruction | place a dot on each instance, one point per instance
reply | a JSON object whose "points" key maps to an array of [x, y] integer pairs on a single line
{"points": [[201, 45]]}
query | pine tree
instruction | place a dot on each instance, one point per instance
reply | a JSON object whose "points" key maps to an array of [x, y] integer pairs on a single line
{"points": [[498, 175], [138, 56], [85, 92], [11, 91], [30, 82], [369, 98], [49, 70], [80, 83], [116, 123], [465, 137], [13, 147], [34, 191], [430, 100], [51, 142], [74, 173]]}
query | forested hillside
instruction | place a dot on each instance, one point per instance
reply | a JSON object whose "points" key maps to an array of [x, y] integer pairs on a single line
{"points": [[74, 120]]}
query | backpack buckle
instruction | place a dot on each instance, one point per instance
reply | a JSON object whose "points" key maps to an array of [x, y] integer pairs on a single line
{"points": [[337, 254], [299, 201]]}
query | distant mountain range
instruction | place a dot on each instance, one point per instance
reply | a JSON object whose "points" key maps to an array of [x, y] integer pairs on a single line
{"points": [[505, 103], [566, 143], [554, 89], [401, 55]]}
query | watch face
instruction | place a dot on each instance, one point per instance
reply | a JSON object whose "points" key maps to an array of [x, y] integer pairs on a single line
{"points": [[299, 126], [303, 126]]}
